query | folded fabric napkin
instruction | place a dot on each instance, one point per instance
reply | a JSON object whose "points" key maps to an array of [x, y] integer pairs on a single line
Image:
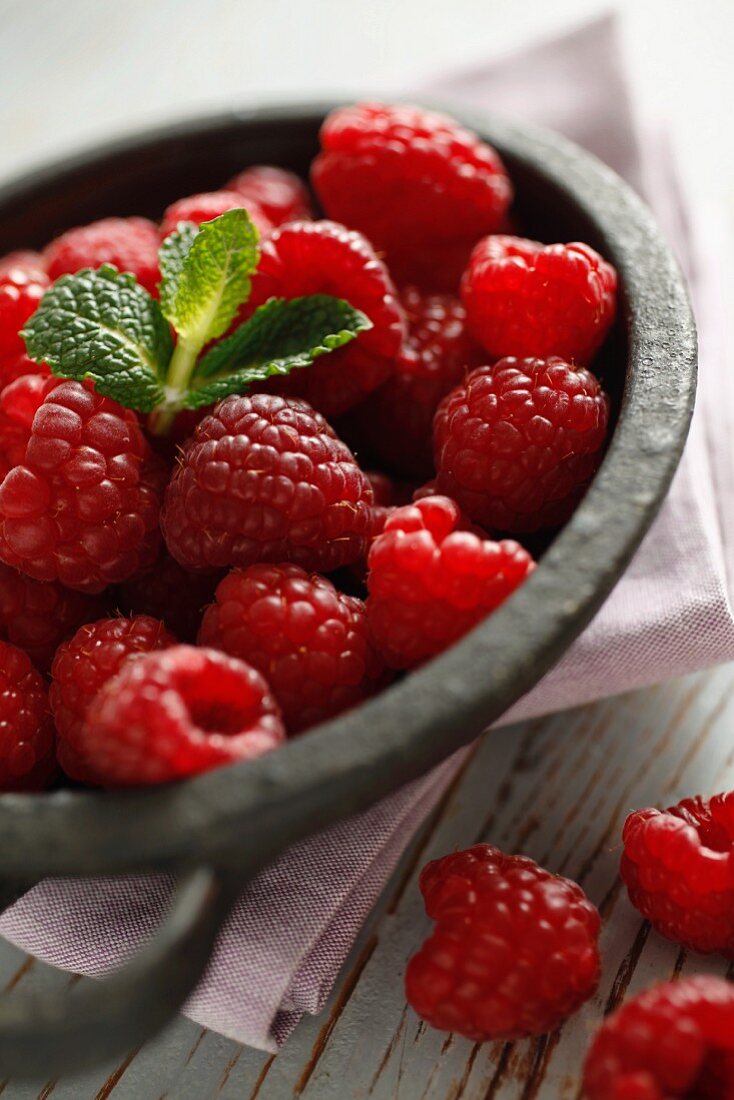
{"points": [[292, 928]]}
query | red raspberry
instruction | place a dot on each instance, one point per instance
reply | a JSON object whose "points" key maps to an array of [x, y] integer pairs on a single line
{"points": [[418, 185], [325, 258], [674, 1040], [27, 756], [19, 403], [83, 665], [38, 616], [280, 195], [514, 952], [130, 244], [678, 866], [82, 504], [187, 710], [524, 298], [310, 641], [517, 444], [23, 259], [430, 582], [438, 354], [15, 367], [21, 291], [171, 593], [209, 205], [266, 479]]}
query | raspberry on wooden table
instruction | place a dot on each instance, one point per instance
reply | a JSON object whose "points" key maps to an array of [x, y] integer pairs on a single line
{"points": [[27, 756], [323, 257], [37, 616], [514, 951], [21, 291], [416, 183], [517, 444], [309, 640], [281, 195], [430, 580], [208, 205], [265, 478], [83, 665], [678, 867], [176, 713], [438, 353], [525, 298], [81, 505], [675, 1040], [130, 244]]}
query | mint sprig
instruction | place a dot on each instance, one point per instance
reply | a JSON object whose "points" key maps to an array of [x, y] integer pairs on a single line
{"points": [[101, 324]]}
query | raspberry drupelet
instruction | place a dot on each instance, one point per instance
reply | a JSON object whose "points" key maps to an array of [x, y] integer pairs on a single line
{"points": [[419, 186], [430, 580], [309, 640], [81, 502], [21, 291], [208, 205], [265, 478], [438, 353], [281, 195], [322, 257], [83, 665], [678, 867], [27, 756], [129, 244], [517, 444], [176, 713], [37, 616], [514, 951], [525, 298], [675, 1040]]}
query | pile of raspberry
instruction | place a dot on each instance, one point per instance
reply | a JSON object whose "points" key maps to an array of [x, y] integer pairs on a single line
{"points": [[288, 552]]}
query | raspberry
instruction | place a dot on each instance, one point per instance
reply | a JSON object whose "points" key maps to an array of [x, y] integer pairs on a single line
{"points": [[517, 444], [524, 298], [430, 582], [170, 593], [38, 616], [27, 757], [515, 948], [266, 479], [280, 195], [81, 504], [23, 259], [83, 665], [19, 403], [21, 291], [180, 712], [209, 205], [674, 1040], [310, 641], [678, 866], [130, 244], [16, 366], [438, 354], [325, 258], [418, 185]]}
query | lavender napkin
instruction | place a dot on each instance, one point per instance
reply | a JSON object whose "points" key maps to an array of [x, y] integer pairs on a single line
{"points": [[292, 928]]}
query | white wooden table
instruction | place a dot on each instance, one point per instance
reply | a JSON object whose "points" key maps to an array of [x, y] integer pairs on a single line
{"points": [[75, 71]]}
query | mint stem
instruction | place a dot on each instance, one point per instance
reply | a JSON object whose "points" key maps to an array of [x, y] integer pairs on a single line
{"points": [[176, 386]]}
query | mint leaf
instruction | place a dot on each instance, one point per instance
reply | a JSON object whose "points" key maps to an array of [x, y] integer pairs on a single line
{"points": [[103, 325], [206, 275], [281, 336]]}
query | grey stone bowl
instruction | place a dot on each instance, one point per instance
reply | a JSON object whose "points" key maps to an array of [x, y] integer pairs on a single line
{"points": [[213, 832]]}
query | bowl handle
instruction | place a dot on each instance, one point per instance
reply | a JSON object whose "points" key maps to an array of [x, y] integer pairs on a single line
{"points": [[49, 1034]]}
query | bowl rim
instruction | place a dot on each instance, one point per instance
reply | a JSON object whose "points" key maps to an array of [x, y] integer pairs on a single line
{"points": [[246, 813]]}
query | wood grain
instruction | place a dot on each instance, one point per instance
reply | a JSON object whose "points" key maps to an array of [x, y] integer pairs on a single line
{"points": [[557, 789]]}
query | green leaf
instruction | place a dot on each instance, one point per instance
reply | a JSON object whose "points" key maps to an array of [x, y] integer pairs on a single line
{"points": [[281, 336], [103, 325], [206, 275]]}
